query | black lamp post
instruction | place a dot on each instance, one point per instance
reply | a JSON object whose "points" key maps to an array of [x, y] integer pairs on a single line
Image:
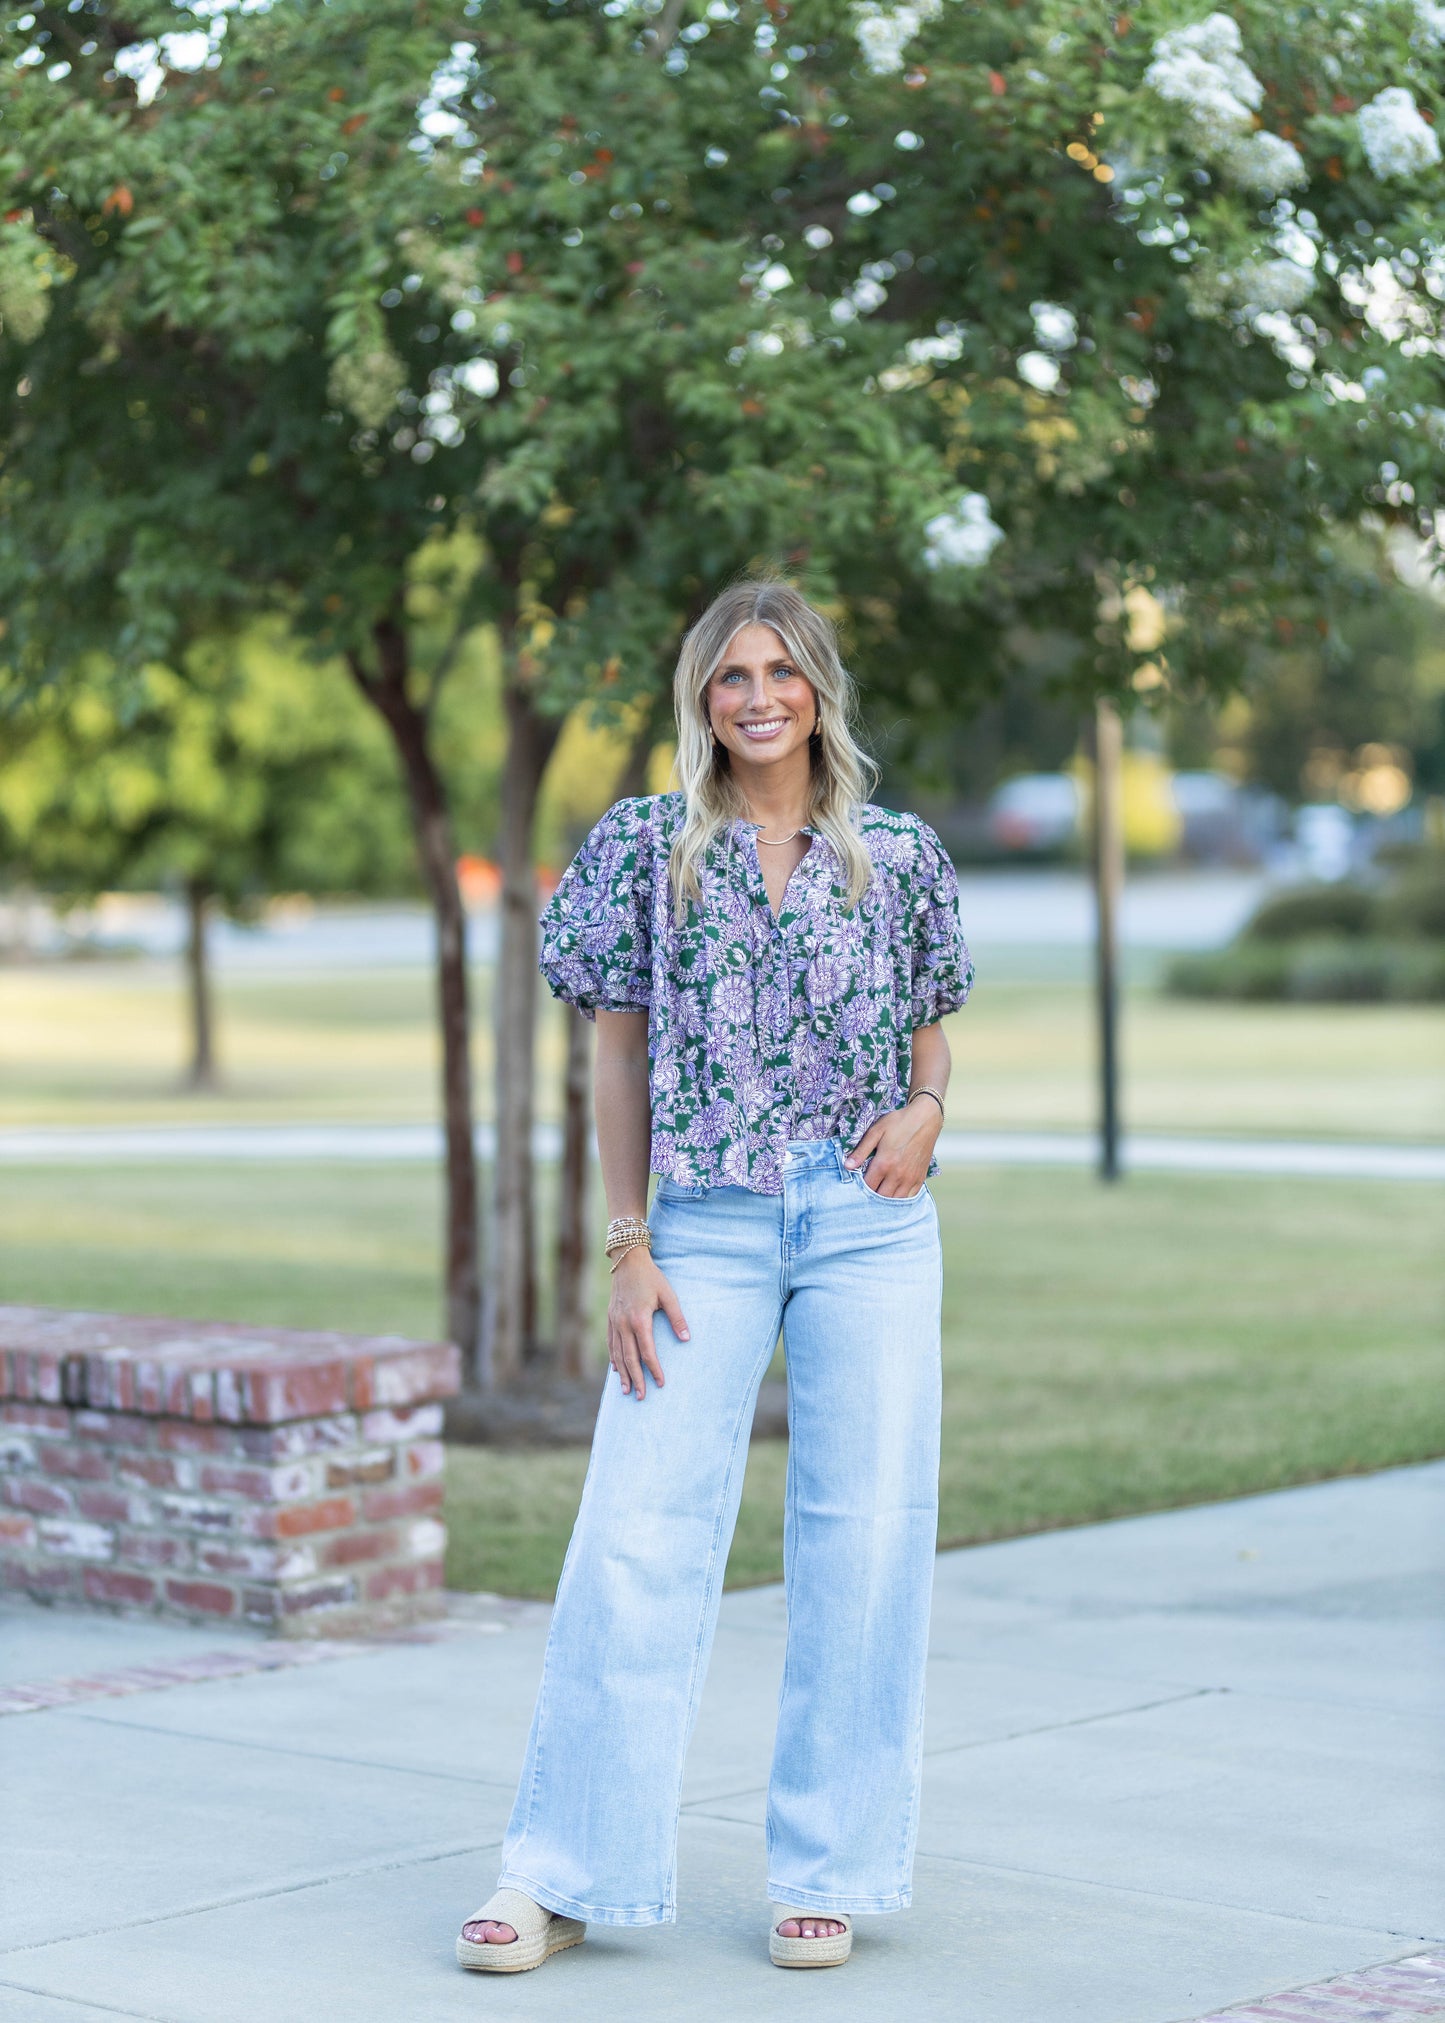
{"points": [[1108, 855]]}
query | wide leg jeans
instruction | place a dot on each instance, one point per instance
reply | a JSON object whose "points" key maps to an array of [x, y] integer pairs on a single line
{"points": [[854, 1279]]}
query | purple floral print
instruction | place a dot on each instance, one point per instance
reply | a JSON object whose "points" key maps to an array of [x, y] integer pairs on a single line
{"points": [[759, 1029]]}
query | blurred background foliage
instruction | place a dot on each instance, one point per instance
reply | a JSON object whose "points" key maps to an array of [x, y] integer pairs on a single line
{"points": [[384, 389]]}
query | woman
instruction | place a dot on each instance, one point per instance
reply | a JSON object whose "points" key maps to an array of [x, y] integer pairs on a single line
{"points": [[767, 956]]}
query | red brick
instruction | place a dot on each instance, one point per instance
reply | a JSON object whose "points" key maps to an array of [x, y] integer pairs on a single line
{"points": [[300, 1438], [148, 1388], [409, 1423], [413, 1376], [317, 1594], [110, 1380], [153, 1548], [424, 1458], [16, 1530], [82, 1464], [157, 1471], [178, 1436], [34, 1580], [295, 1520], [72, 1539], [351, 1546], [379, 1506], [375, 1466], [46, 1499], [201, 1594], [194, 1513], [36, 1418], [231, 1480], [260, 1604], [110, 1506], [103, 1584], [256, 1562], [112, 1429], [274, 1391], [403, 1580], [189, 1391]]}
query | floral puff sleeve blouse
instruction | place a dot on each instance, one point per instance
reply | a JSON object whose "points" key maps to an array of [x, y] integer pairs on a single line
{"points": [[760, 1029]]}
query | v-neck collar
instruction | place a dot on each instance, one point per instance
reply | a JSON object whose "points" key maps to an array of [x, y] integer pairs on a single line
{"points": [[802, 873]]}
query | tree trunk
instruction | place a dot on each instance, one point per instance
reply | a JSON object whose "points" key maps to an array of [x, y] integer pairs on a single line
{"points": [[573, 1278], [510, 1332], [573, 1247], [202, 1072], [426, 795]]}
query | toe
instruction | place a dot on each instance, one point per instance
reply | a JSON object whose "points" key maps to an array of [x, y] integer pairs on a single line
{"points": [[487, 1932]]}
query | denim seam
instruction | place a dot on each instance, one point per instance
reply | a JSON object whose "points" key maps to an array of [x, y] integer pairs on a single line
{"points": [[547, 1658], [818, 1900], [910, 1819], [744, 1414], [790, 1532], [569, 1907]]}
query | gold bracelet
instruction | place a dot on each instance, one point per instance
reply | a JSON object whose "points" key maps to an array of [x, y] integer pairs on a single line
{"points": [[642, 1242], [923, 1089]]}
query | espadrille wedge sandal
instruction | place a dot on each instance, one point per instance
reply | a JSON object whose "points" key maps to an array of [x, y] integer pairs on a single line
{"points": [[540, 1933], [809, 1952]]}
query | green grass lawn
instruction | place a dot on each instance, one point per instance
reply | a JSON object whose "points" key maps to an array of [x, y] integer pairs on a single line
{"points": [[103, 1043], [1170, 1341]]}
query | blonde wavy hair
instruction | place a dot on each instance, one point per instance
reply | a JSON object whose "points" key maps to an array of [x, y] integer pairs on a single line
{"points": [[842, 772]]}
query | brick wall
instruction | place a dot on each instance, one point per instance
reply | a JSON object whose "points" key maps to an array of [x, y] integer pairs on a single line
{"points": [[222, 1473]]}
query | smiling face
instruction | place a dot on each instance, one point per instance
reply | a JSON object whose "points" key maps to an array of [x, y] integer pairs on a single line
{"points": [[762, 708]]}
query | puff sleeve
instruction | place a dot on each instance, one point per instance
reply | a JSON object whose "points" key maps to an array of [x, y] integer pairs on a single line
{"points": [[942, 969], [596, 943]]}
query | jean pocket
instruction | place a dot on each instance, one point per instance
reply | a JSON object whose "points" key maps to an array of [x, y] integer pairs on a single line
{"points": [[677, 1190], [856, 1175]]}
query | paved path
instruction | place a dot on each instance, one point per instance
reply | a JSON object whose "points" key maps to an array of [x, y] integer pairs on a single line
{"points": [[1175, 1764], [64, 1144], [1003, 908]]}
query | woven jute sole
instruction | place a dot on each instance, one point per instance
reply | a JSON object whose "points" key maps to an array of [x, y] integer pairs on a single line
{"points": [[808, 1952], [523, 1953]]}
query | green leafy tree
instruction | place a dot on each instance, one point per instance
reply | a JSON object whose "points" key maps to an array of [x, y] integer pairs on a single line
{"points": [[548, 317], [243, 774]]}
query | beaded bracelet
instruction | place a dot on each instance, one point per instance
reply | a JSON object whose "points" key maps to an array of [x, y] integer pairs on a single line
{"points": [[635, 1239]]}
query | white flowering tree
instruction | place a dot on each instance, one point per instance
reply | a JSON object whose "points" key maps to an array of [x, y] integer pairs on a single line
{"points": [[1172, 282]]}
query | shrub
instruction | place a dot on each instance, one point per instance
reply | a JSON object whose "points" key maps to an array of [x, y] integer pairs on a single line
{"points": [[1325, 969], [1312, 909], [1419, 975], [1415, 904], [1258, 970], [1340, 969]]}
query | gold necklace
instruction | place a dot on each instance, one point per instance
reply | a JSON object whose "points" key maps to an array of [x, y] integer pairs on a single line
{"points": [[775, 842]]}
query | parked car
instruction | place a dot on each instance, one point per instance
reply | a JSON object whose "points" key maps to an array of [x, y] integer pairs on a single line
{"points": [[1038, 814], [1324, 835]]}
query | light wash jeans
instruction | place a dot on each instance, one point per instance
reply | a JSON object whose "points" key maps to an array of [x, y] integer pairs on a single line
{"points": [[855, 1278]]}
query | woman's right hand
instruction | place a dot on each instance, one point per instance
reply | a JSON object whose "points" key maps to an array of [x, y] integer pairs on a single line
{"points": [[639, 1289]]}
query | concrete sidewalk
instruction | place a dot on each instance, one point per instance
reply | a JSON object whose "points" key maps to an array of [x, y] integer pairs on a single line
{"points": [[1175, 1763], [408, 1144]]}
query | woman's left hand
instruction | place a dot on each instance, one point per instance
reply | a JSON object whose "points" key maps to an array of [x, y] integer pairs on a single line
{"points": [[902, 1143]]}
